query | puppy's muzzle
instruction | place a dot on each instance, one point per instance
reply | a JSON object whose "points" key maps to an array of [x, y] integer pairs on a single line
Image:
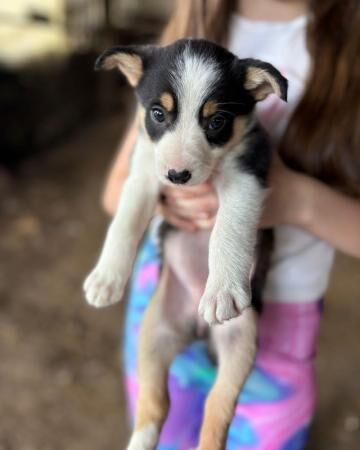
{"points": [[179, 177]]}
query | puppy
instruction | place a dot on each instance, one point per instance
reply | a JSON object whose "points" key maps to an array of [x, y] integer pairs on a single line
{"points": [[197, 123]]}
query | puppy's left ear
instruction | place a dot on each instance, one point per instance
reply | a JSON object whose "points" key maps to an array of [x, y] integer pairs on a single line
{"points": [[262, 79], [130, 60]]}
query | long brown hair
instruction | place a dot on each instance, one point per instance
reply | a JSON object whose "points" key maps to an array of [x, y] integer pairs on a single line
{"points": [[200, 19], [323, 135]]}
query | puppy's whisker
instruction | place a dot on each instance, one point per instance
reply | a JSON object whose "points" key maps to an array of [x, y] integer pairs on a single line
{"points": [[226, 112], [230, 103]]}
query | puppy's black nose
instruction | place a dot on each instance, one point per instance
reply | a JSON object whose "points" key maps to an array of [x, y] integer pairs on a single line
{"points": [[179, 177]]}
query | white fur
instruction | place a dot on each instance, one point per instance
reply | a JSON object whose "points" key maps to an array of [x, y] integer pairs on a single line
{"points": [[240, 196], [231, 248], [232, 243], [106, 283], [144, 439], [193, 79], [185, 147]]}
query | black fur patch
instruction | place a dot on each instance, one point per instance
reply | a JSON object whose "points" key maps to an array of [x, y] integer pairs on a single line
{"points": [[228, 91], [257, 157]]}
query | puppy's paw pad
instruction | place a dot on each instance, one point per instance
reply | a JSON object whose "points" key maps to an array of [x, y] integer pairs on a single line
{"points": [[102, 288]]}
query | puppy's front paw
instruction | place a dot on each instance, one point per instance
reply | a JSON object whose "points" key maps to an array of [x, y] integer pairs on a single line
{"points": [[104, 287], [222, 303]]}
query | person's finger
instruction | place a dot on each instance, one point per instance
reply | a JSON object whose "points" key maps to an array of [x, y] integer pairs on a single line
{"points": [[205, 224], [188, 213], [205, 205], [176, 220], [181, 223], [187, 192]]}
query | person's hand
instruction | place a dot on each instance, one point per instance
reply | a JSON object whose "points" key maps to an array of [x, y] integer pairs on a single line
{"points": [[288, 198], [190, 208]]}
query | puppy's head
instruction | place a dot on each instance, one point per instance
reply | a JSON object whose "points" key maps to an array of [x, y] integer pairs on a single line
{"points": [[196, 99]]}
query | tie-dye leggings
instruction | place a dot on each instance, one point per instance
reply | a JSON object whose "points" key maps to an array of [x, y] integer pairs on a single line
{"points": [[276, 405]]}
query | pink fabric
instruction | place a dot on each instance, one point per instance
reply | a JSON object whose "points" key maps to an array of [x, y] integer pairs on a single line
{"points": [[290, 329]]}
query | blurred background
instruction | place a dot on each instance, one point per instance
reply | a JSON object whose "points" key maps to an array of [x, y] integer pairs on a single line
{"points": [[60, 371]]}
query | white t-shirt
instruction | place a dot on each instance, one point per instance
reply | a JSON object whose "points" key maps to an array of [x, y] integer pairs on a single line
{"points": [[301, 262]]}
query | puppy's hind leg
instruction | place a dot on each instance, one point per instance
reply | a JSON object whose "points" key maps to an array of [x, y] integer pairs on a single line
{"points": [[235, 345], [160, 341]]}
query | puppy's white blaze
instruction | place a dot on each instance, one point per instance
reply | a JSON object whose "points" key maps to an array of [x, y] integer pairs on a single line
{"points": [[194, 79]]}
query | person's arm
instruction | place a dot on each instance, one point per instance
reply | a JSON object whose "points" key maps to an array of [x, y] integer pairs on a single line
{"points": [[119, 171], [300, 200], [334, 217]]}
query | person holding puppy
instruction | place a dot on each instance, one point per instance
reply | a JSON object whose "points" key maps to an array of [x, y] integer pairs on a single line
{"points": [[316, 171]]}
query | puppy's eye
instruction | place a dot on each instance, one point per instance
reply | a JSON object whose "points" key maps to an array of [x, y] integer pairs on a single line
{"points": [[158, 114], [217, 123]]}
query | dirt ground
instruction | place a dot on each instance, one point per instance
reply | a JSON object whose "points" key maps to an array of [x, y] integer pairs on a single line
{"points": [[60, 372]]}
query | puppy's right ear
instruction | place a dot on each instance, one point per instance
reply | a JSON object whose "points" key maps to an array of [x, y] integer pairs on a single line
{"points": [[130, 60]]}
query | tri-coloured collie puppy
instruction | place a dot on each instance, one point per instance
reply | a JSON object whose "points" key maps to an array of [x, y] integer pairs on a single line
{"points": [[197, 123]]}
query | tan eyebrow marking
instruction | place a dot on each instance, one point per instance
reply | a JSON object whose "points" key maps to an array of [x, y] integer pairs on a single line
{"points": [[209, 108], [167, 101], [240, 126]]}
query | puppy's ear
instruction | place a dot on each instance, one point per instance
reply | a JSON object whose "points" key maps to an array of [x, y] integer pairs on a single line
{"points": [[130, 60], [262, 79]]}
